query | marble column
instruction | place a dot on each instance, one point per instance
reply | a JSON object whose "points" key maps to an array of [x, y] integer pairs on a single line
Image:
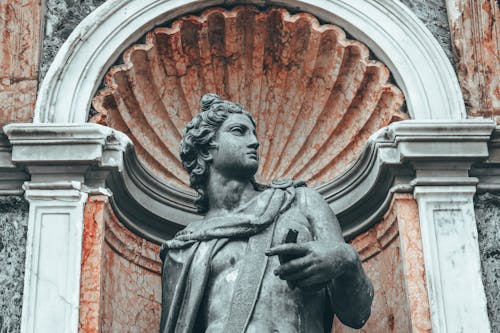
{"points": [[451, 253], [65, 164], [53, 256]]}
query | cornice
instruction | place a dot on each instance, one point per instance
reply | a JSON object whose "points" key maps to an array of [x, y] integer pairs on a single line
{"points": [[488, 171], [11, 177], [396, 159]]}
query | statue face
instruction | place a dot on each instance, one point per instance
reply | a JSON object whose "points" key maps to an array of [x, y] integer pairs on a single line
{"points": [[236, 153]]}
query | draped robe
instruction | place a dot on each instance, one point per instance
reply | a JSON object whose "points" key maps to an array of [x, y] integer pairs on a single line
{"points": [[187, 260]]}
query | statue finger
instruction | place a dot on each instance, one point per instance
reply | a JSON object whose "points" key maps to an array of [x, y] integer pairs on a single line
{"points": [[288, 249], [297, 275], [293, 266]]}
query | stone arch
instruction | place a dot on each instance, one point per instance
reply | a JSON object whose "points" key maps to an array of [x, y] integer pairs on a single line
{"points": [[315, 94], [388, 28], [395, 37]]}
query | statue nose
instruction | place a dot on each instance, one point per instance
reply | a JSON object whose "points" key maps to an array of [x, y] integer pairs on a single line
{"points": [[254, 143]]}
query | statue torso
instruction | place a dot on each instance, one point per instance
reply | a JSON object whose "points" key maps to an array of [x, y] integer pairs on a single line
{"points": [[279, 308]]}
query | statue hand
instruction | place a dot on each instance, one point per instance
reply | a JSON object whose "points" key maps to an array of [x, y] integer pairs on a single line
{"points": [[315, 263]]}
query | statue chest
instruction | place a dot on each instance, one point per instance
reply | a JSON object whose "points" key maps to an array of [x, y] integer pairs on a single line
{"points": [[226, 260], [276, 299]]}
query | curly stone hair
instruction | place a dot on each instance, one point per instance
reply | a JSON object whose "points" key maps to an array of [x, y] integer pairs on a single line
{"points": [[198, 139]]}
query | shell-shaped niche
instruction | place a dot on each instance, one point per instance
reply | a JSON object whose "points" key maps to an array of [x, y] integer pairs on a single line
{"points": [[316, 95]]}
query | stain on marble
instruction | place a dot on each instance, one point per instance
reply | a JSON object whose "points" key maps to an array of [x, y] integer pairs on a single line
{"points": [[475, 31], [121, 275], [392, 256], [316, 94]]}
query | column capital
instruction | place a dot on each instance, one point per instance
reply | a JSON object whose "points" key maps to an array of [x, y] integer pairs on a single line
{"points": [[51, 153]]}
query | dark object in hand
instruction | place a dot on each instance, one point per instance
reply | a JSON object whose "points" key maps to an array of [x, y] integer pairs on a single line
{"points": [[291, 237]]}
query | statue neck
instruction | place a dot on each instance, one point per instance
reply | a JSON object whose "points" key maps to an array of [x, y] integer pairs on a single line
{"points": [[227, 194]]}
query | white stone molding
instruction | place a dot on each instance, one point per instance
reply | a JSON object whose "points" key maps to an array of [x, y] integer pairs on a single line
{"points": [[53, 257], [65, 163], [488, 172], [395, 35], [154, 210], [451, 254], [444, 186], [362, 194], [76, 152], [11, 177]]}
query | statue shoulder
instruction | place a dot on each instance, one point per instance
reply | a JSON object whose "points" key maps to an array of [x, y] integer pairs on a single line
{"points": [[322, 219], [307, 199], [310, 202]]}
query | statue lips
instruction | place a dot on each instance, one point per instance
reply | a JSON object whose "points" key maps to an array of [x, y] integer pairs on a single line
{"points": [[253, 154]]}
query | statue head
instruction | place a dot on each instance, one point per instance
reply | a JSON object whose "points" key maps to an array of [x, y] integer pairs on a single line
{"points": [[199, 143]]}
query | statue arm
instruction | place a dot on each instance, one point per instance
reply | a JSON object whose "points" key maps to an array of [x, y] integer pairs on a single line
{"points": [[351, 291], [327, 261]]}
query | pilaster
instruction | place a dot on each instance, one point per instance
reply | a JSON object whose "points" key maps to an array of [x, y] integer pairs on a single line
{"points": [[53, 255], [451, 254], [64, 163], [442, 156]]}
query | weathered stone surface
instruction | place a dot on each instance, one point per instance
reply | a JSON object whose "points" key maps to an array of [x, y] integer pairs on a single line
{"points": [[487, 207], [17, 100], [433, 14], [61, 18], [92, 268], [475, 30], [20, 24], [19, 39], [13, 227], [131, 287], [121, 275], [392, 257], [316, 95]]}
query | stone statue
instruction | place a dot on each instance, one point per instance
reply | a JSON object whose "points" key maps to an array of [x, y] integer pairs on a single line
{"points": [[264, 258]]}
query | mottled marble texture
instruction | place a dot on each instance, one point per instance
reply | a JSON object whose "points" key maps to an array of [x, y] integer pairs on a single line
{"points": [[20, 24], [392, 256], [61, 17], [314, 93], [487, 208], [19, 39], [13, 227], [92, 268], [406, 209], [475, 33], [121, 275], [131, 296], [433, 14]]}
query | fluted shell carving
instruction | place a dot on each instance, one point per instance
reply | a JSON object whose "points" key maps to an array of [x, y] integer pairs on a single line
{"points": [[316, 95]]}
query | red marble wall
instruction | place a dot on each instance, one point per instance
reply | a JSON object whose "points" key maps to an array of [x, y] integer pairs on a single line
{"points": [[20, 41], [392, 257], [131, 295], [92, 265], [475, 32], [121, 281]]}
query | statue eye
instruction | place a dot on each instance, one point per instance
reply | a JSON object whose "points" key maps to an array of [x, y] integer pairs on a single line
{"points": [[237, 130]]}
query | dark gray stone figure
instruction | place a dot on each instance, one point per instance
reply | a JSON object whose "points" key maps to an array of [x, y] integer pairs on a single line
{"points": [[240, 269]]}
